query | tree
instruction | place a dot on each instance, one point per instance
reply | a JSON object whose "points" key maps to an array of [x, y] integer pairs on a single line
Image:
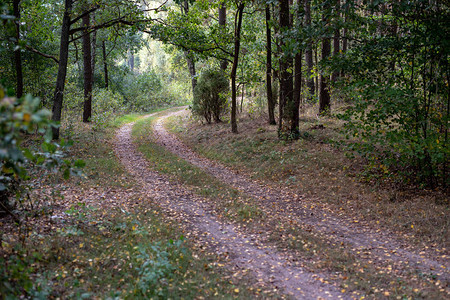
{"points": [[237, 44], [309, 52], [223, 23], [62, 69], [131, 15], [270, 100], [324, 96], [287, 128], [210, 95], [295, 118], [17, 54], [87, 67]]}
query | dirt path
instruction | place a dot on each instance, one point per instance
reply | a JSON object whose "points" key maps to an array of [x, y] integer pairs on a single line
{"points": [[366, 243], [194, 213]]}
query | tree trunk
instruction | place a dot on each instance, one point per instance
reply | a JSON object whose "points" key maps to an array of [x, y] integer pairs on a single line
{"points": [[309, 53], [223, 23], [286, 105], [187, 54], [295, 117], [87, 64], [131, 62], [94, 49], [237, 45], [105, 65], [270, 100], [17, 54], [324, 99], [62, 68], [191, 66], [336, 41]]}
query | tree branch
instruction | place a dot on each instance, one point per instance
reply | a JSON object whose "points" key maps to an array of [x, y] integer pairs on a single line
{"points": [[42, 54], [83, 14]]}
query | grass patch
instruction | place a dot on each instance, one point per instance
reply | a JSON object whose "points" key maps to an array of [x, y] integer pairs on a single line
{"points": [[228, 201]]}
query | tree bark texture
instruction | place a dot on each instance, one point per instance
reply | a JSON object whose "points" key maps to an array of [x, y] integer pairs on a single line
{"points": [[87, 64], [187, 54], [131, 62], [17, 54], [286, 105], [324, 97], [191, 66], [62, 68], [223, 23], [93, 48], [295, 117], [105, 65], [309, 53], [270, 100], [237, 45], [336, 40]]}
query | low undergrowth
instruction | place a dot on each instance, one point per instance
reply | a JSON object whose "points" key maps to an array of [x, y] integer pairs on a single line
{"points": [[101, 237]]}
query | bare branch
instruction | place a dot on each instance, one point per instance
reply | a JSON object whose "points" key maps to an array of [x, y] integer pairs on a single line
{"points": [[83, 14], [42, 54]]}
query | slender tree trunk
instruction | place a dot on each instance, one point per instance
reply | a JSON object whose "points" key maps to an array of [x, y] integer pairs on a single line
{"points": [[87, 64], [223, 23], [191, 66], [270, 100], [131, 62], [344, 37], [105, 65], [94, 49], [309, 53], [324, 97], [62, 68], [17, 54], [336, 41], [316, 61], [237, 45], [295, 117], [286, 105], [187, 54]]}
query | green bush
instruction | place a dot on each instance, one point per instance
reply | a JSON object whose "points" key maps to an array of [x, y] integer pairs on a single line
{"points": [[18, 117], [398, 88], [210, 98]]}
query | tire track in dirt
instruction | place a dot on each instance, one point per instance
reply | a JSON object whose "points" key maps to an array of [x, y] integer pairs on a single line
{"points": [[382, 246], [245, 252]]}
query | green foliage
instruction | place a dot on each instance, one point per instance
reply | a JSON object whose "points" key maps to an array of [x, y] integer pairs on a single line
{"points": [[143, 92], [17, 117], [398, 86], [210, 95], [159, 262], [18, 276]]}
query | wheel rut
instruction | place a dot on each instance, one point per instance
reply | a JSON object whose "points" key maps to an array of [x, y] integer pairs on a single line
{"points": [[196, 215], [366, 243]]}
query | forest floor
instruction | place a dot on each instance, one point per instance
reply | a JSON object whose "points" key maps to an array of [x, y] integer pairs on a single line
{"points": [[171, 208], [348, 254]]}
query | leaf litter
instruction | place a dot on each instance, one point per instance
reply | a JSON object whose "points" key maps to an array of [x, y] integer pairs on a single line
{"points": [[243, 252], [373, 245]]}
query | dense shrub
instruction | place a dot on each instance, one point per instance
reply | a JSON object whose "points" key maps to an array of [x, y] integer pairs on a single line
{"points": [[398, 87], [210, 98], [18, 117]]}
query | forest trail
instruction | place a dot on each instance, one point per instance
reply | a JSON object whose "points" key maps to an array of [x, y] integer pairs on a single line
{"points": [[245, 252], [368, 244]]}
